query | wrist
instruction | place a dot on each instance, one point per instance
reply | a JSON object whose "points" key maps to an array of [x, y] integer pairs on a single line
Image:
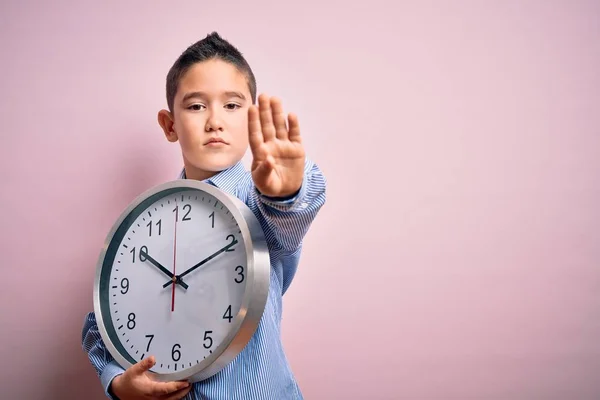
{"points": [[282, 197], [114, 389]]}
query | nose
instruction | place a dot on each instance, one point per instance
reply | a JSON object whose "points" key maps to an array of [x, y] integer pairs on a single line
{"points": [[214, 122]]}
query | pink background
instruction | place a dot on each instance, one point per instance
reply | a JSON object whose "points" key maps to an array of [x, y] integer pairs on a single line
{"points": [[458, 254]]}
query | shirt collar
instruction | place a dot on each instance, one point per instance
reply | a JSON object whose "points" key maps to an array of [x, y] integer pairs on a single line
{"points": [[226, 179]]}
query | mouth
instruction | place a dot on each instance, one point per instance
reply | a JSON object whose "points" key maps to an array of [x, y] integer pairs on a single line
{"points": [[215, 141]]}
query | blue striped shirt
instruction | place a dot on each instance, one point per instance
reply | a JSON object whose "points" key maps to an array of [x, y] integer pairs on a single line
{"points": [[261, 371]]}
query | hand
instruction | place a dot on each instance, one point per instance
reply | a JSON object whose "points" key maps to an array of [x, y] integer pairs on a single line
{"points": [[136, 383], [278, 154], [163, 269], [207, 259]]}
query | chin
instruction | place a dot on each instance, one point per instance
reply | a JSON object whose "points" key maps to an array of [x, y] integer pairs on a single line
{"points": [[215, 164]]}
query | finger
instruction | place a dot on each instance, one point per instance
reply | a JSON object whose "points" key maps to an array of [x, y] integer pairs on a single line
{"points": [[254, 131], [143, 365], [281, 131], [166, 388], [266, 119], [180, 394], [294, 133]]}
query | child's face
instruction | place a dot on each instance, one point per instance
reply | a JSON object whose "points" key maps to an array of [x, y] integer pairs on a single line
{"points": [[211, 105]]}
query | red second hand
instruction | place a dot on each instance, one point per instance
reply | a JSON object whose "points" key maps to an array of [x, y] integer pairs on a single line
{"points": [[174, 258]]}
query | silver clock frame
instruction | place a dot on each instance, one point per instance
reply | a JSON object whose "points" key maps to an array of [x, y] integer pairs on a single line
{"points": [[254, 298]]}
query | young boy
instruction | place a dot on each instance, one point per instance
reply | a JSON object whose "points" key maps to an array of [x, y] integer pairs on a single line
{"points": [[211, 96]]}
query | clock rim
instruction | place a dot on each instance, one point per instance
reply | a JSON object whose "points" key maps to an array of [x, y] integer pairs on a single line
{"points": [[254, 298]]}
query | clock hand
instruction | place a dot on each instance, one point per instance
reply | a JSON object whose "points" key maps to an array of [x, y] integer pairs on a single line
{"points": [[207, 259], [163, 269]]}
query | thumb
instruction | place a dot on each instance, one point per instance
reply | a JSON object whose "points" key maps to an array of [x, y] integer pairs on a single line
{"points": [[143, 365]]}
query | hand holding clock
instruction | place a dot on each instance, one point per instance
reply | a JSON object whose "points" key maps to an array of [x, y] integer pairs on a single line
{"points": [[137, 383], [277, 171]]}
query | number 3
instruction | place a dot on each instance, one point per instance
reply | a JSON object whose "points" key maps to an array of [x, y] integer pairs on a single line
{"points": [[240, 273]]}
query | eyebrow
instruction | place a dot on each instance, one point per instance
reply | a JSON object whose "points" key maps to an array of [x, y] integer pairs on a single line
{"points": [[192, 95]]}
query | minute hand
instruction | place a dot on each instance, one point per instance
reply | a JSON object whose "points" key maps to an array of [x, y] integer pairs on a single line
{"points": [[207, 259]]}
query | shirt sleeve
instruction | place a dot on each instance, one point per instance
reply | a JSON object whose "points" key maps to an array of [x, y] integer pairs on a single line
{"points": [[104, 364], [286, 221]]}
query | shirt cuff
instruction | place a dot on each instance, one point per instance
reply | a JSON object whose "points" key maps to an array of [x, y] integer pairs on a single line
{"points": [[284, 203], [111, 370]]}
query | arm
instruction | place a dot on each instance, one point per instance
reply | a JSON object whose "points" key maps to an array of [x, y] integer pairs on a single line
{"points": [[288, 188], [285, 221], [104, 364]]}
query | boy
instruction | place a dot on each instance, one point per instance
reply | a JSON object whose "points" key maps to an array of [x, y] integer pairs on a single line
{"points": [[211, 96]]}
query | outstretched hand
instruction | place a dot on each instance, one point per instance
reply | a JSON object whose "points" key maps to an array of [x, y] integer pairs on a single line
{"points": [[277, 150]]}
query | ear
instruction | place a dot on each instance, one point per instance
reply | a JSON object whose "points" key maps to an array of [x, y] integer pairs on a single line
{"points": [[166, 122]]}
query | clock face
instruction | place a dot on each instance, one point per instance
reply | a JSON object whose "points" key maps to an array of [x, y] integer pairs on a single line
{"points": [[173, 279]]}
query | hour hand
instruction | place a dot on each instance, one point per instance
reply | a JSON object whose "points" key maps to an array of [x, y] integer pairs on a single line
{"points": [[165, 271]]}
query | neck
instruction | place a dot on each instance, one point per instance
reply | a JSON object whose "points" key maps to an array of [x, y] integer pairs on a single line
{"points": [[199, 175]]}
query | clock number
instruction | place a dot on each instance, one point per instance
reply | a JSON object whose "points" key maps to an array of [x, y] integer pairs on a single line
{"points": [[240, 270], [207, 337], [175, 350], [185, 217], [143, 252], [131, 321], [189, 208], [227, 314], [159, 224], [124, 285], [232, 242], [149, 341], [212, 215]]}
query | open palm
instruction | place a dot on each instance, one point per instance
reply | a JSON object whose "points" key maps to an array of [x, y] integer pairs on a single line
{"points": [[277, 150]]}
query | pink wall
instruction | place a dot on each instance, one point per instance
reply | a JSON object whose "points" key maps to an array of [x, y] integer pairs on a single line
{"points": [[461, 143]]}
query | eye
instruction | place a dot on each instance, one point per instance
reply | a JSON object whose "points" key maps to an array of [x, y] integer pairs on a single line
{"points": [[232, 106], [196, 107]]}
